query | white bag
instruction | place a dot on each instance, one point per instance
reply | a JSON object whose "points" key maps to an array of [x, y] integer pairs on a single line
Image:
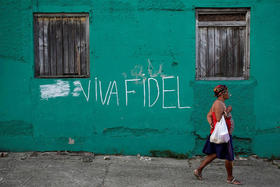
{"points": [[220, 133]]}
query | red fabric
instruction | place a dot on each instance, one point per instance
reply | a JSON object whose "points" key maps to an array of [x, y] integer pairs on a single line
{"points": [[215, 121], [228, 123]]}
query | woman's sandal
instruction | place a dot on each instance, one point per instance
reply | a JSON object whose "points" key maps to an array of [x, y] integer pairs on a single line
{"points": [[234, 181], [197, 174]]}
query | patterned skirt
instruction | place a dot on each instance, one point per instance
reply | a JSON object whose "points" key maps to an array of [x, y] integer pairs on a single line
{"points": [[223, 151]]}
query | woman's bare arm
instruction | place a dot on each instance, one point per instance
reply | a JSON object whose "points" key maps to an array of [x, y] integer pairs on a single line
{"points": [[219, 110], [209, 118]]}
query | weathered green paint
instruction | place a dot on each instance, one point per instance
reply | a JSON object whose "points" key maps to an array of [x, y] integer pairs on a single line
{"points": [[124, 34]]}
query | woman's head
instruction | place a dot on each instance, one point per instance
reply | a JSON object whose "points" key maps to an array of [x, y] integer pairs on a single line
{"points": [[221, 90]]}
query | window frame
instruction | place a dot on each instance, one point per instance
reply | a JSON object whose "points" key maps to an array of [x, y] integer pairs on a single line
{"points": [[36, 44], [246, 23]]}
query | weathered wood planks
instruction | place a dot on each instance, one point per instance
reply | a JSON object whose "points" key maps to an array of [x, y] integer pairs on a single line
{"points": [[222, 44], [61, 45]]}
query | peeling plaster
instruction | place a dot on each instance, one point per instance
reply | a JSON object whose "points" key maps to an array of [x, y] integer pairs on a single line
{"points": [[125, 131], [71, 141]]}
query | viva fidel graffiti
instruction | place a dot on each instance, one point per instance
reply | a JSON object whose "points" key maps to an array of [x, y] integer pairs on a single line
{"points": [[111, 92], [152, 84]]}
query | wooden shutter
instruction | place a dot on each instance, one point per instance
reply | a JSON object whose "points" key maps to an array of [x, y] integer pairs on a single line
{"points": [[61, 44], [222, 45], [221, 51]]}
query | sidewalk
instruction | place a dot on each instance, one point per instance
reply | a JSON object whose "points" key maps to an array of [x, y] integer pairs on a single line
{"points": [[84, 169]]}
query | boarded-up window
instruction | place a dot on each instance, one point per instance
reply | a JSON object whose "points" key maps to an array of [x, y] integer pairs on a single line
{"points": [[61, 45], [222, 44]]}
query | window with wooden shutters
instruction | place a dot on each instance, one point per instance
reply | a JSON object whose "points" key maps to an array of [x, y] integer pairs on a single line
{"points": [[61, 45], [222, 43]]}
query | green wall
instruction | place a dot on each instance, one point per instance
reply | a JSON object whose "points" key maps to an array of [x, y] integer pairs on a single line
{"points": [[135, 39]]}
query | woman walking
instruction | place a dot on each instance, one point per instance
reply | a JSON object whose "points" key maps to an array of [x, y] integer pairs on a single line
{"points": [[224, 150]]}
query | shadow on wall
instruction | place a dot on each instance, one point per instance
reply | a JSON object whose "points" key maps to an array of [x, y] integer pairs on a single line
{"points": [[242, 102]]}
